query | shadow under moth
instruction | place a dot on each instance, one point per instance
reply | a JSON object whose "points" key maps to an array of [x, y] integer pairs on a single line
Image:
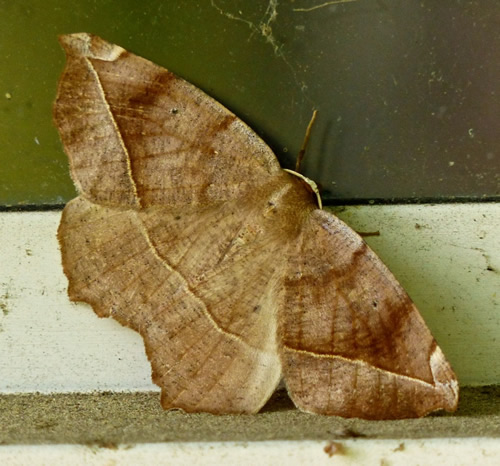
{"points": [[187, 230]]}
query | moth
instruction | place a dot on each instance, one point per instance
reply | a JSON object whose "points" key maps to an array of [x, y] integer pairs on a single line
{"points": [[187, 230]]}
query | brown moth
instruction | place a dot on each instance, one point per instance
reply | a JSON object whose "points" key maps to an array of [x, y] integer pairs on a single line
{"points": [[188, 231]]}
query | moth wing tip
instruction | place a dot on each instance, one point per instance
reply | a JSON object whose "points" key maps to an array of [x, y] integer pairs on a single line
{"points": [[85, 44], [445, 380]]}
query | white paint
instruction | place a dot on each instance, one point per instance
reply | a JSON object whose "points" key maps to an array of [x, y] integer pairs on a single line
{"points": [[443, 264], [363, 452], [48, 344]]}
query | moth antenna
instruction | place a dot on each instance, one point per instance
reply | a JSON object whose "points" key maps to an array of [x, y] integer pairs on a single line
{"points": [[302, 151]]}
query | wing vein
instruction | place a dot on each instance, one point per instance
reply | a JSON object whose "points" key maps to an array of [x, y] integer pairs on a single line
{"points": [[207, 314], [120, 138], [356, 361]]}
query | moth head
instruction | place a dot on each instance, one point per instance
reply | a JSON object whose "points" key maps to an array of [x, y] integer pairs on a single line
{"points": [[310, 185]]}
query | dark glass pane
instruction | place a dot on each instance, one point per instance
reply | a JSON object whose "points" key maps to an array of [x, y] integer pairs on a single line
{"points": [[407, 92]]}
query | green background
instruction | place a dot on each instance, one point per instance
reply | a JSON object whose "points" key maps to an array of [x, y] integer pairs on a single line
{"points": [[407, 92]]}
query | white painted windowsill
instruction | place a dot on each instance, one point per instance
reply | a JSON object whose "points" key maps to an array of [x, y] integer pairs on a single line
{"points": [[446, 256]]}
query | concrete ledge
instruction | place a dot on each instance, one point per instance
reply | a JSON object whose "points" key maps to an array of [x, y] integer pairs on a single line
{"points": [[111, 419]]}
